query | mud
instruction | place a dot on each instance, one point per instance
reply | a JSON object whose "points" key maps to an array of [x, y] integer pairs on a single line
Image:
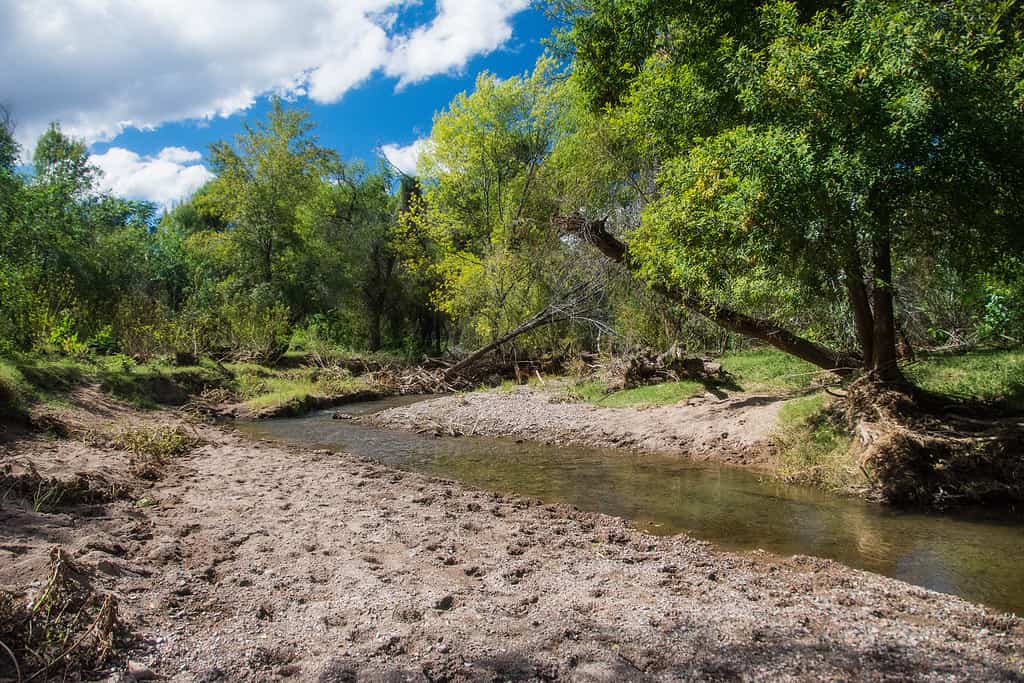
{"points": [[256, 562]]}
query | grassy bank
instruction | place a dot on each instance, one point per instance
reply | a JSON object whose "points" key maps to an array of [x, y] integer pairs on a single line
{"points": [[990, 375], [255, 389], [760, 370], [812, 437]]}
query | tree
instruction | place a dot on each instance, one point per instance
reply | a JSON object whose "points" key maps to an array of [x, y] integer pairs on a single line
{"points": [[487, 206], [62, 162], [262, 180], [10, 184], [817, 147]]}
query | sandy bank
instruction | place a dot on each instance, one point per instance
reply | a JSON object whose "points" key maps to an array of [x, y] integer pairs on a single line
{"points": [[734, 430]]}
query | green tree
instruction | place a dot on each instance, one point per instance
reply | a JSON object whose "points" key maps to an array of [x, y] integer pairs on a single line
{"points": [[487, 203], [262, 181]]}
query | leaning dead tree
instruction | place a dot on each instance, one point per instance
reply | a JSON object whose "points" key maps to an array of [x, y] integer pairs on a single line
{"points": [[595, 233], [578, 303]]}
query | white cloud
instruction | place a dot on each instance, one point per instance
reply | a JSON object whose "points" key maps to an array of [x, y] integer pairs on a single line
{"points": [[179, 155], [100, 66], [405, 158], [460, 30], [170, 176]]}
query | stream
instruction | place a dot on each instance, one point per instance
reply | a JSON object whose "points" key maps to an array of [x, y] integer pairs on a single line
{"points": [[978, 556]]}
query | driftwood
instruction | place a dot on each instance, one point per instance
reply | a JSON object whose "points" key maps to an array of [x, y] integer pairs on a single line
{"points": [[406, 381], [575, 304], [649, 367]]}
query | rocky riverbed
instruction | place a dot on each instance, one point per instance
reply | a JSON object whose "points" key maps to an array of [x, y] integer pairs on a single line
{"points": [[735, 430]]}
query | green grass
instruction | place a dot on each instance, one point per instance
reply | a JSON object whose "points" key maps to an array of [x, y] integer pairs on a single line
{"points": [[768, 370], [49, 379], [814, 446], [272, 392], [156, 383], [265, 391], [32, 378], [996, 375], [48, 375], [14, 391], [651, 395]]}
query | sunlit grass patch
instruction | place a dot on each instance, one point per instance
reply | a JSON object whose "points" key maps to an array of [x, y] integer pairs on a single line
{"points": [[666, 393], [768, 370], [13, 391], [814, 446], [996, 375], [274, 390], [51, 375]]}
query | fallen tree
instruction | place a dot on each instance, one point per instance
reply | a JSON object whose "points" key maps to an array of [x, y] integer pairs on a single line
{"points": [[595, 233], [577, 303]]}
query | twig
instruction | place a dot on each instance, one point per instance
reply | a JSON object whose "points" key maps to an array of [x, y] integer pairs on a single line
{"points": [[17, 669]]}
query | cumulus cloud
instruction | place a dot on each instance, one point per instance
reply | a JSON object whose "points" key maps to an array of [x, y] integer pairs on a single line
{"points": [[170, 176], [461, 28], [100, 66], [405, 158]]}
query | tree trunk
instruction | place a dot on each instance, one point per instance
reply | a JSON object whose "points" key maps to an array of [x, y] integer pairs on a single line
{"points": [[861, 305], [375, 336], [595, 233], [545, 317], [885, 359]]}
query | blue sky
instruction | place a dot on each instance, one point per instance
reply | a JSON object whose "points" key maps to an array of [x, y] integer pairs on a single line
{"points": [[372, 114], [151, 85]]}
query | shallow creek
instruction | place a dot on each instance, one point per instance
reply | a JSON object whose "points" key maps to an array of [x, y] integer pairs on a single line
{"points": [[977, 556]]}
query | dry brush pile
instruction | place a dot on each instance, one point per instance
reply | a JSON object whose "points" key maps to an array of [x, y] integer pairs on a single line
{"points": [[65, 629]]}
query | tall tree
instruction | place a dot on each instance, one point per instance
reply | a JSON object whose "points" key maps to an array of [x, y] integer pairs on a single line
{"points": [[262, 180], [487, 207]]}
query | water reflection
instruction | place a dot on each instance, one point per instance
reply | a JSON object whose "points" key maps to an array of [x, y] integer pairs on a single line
{"points": [[975, 556]]}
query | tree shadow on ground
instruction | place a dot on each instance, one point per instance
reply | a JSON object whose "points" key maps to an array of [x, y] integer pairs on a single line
{"points": [[708, 659]]}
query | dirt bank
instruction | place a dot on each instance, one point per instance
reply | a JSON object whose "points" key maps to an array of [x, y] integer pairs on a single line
{"points": [[735, 430], [255, 562]]}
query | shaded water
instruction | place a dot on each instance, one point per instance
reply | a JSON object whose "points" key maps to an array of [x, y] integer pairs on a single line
{"points": [[979, 557]]}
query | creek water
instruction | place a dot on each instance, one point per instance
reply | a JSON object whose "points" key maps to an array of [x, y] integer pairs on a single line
{"points": [[979, 556]]}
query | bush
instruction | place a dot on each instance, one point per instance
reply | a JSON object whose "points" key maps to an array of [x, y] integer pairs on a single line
{"points": [[258, 324]]}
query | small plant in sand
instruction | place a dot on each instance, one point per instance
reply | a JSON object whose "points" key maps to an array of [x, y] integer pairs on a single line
{"points": [[154, 447]]}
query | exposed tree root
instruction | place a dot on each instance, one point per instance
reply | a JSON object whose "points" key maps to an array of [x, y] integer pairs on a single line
{"points": [[924, 449]]}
